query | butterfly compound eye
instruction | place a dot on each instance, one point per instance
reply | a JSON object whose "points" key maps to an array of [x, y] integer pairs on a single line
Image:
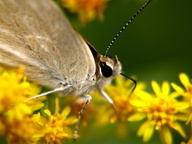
{"points": [[106, 70]]}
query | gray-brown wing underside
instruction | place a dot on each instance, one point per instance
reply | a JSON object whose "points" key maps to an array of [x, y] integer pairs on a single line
{"points": [[37, 35]]}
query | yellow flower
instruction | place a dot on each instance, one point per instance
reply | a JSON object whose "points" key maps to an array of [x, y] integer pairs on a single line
{"points": [[162, 111], [11, 87], [120, 94], [17, 126], [187, 93], [15, 116], [54, 129], [14, 88], [86, 9]]}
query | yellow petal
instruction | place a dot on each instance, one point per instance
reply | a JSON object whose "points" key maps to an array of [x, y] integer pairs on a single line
{"points": [[156, 88], [177, 88], [137, 117], [47, 112], [165, 135], [184, 80], [37, 106], [146, 130], [71, 120], [180, 130], [138, 103], [38, 119], [143, 95], [182, 106], [148, 133], [142, 128], [165, 88], [66, 111]]}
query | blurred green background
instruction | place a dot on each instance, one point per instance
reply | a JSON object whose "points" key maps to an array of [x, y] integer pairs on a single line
{"points": [[155, 46]]}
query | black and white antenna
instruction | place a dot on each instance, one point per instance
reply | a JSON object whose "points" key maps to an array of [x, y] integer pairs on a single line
{"points": [[125, 26], [117, 35]]}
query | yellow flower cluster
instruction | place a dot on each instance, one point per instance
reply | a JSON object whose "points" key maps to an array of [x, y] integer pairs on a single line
{"points": [[14, 89], [186, 97], [55, 126], [18, 121], [86, 9], [162, 110]]}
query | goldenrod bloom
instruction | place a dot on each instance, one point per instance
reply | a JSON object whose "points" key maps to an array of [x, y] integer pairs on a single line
{"points": [[162, 111], [187, 97], [15, 115], [54, 129], [187, 93], [17, 126], [121, 95], [86, 9], [14, 89]]}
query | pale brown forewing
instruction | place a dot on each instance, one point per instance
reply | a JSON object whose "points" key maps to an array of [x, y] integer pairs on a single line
{"points": [[37, 35]]}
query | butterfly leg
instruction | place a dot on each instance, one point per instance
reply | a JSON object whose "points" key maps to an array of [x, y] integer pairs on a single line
{"points": [[62, 88], [88, 99], [104, 94]]}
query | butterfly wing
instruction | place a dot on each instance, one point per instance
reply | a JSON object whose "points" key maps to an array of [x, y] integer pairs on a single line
{"points": [[36, 34]]}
